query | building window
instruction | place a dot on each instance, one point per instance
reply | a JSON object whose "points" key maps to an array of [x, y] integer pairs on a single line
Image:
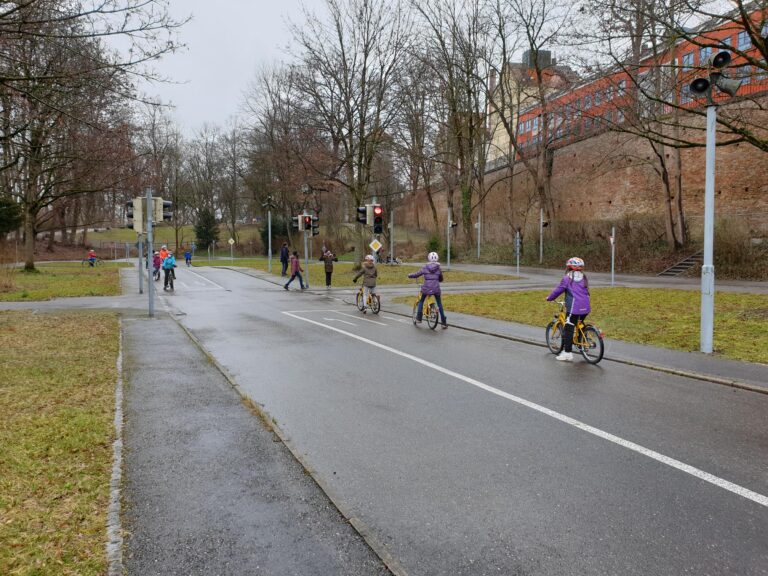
{"points": [[587, 102], [745, 74], [527, 125], [761, 71], [520, 128], [687, 61], [576, 106], [622, 87], [685, 95], [704, 53], [743, 42], [609, 94], [536, 123], [598, 97], [619, 116]]}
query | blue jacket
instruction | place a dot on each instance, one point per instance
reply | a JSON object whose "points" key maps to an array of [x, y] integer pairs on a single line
{"points": [[576, 289], [170, 262], [432, 278]]}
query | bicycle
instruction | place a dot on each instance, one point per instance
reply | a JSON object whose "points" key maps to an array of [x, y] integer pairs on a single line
{"points": [[373, 301], [429, 310], [588, 338], [87, 262]]}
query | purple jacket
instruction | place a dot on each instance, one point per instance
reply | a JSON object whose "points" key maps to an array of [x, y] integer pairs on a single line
{"points": [[432, 278], [576, 293]]}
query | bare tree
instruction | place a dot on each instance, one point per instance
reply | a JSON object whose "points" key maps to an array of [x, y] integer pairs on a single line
{"points": [[349, 62]]}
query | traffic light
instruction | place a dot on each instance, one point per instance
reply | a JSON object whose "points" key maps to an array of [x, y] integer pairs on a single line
{"points": [[162, 210], [295, 222], [362, 214], [315, 225], [305, 222], [378, 219], [134, 211]]}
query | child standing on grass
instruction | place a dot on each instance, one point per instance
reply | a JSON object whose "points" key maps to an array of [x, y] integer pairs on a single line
{"points": [[577, 304]]}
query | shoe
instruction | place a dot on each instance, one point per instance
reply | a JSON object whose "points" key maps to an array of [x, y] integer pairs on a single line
{"points": [[286, 287], [565, 356], [303, 287], [418, 320], [445, 326], [365, 311]]}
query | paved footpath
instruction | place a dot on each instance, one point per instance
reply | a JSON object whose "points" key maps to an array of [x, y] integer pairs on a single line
{"points": [[209, 489]]}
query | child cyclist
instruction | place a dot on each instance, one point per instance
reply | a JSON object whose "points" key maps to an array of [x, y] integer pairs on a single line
{"points": [[577, 305], [369, 274], [433, 275]]}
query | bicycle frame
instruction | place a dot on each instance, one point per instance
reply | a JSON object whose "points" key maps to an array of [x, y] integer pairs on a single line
{"points": [[591, 348]]}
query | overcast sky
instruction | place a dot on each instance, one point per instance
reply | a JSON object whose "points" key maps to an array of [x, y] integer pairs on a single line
{"points": [[227, 42]]}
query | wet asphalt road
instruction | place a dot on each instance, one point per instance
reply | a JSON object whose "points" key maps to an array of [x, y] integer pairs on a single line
{"points": [[468, 454]]}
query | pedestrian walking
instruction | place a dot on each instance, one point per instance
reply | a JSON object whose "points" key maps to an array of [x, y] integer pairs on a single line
{"points": [[296, 270], [328, 258], [284, 258]]}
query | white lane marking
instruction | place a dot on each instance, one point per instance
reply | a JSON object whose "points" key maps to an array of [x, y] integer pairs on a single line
{"points": [[339, 320], [677, 464], [401, 320], [363, 319], [207, 280]]}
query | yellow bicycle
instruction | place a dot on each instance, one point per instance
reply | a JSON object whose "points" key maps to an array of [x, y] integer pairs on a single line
{"points": [[373, 302], [586, 337], [429, 310]]}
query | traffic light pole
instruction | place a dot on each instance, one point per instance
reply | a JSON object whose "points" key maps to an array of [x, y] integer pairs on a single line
{"points": [[141, 272], [708, 267], [306, 252], [150, 252], [448, 239], [269, 240]]}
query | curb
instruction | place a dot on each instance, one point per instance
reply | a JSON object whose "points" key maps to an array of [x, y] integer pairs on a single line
{"points": [[114, 544]]}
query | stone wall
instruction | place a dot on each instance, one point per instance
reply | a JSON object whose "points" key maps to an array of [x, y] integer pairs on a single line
{"points": [[609, 177]]}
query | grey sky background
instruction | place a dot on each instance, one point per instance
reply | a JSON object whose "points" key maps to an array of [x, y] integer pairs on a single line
{"points": [[227, 42]]}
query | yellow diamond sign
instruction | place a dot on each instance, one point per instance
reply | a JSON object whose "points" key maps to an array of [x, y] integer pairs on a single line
{"points": [[375, 245]]}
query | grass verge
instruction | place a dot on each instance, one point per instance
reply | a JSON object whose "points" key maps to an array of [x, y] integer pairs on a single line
{"points": [[657, 317], [57, 386], [343, 273], [63, 280]]}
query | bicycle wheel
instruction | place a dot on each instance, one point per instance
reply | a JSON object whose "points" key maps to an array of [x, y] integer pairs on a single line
{"points": [[360, 301], [592, 346], [375, 303], [170, 281], [555, 337], [432, 316], [415, 312]]}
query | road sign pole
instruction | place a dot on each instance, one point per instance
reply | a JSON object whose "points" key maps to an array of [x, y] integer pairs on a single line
{"points": [[517, 250], [613, 253]]}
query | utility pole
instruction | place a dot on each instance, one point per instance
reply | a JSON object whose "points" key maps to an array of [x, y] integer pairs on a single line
{"points": [[306, 251]]}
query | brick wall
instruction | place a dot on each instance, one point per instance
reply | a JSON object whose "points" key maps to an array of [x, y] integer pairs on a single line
{"points": [[611, 176]]}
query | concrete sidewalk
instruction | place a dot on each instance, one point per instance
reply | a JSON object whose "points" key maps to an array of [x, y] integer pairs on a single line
{"points": [[208, 488]]}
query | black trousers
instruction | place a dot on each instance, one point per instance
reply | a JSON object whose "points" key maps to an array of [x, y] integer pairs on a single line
{"points": [[328, 278], [570, 326]]}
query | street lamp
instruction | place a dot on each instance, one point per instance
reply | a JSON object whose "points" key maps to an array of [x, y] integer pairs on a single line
{"points": [[703, 87]]}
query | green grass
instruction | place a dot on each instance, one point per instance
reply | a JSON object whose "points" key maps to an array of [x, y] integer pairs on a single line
{"points": [[657, 317], [343, 273], [57, 385], [63, 280]]}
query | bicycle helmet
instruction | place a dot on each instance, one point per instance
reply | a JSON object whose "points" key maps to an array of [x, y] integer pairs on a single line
{"points": [[368, 258], [433, 257], [575, 263]]}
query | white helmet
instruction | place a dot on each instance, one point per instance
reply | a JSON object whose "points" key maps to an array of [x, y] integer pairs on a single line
{"points": [[368, 258], [433, 257]]}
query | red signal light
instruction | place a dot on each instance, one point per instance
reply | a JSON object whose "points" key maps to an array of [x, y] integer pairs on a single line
{"points": [[377, 210]]}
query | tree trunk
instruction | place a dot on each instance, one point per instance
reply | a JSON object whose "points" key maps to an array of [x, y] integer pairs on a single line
{"points": [[30, 218]]}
